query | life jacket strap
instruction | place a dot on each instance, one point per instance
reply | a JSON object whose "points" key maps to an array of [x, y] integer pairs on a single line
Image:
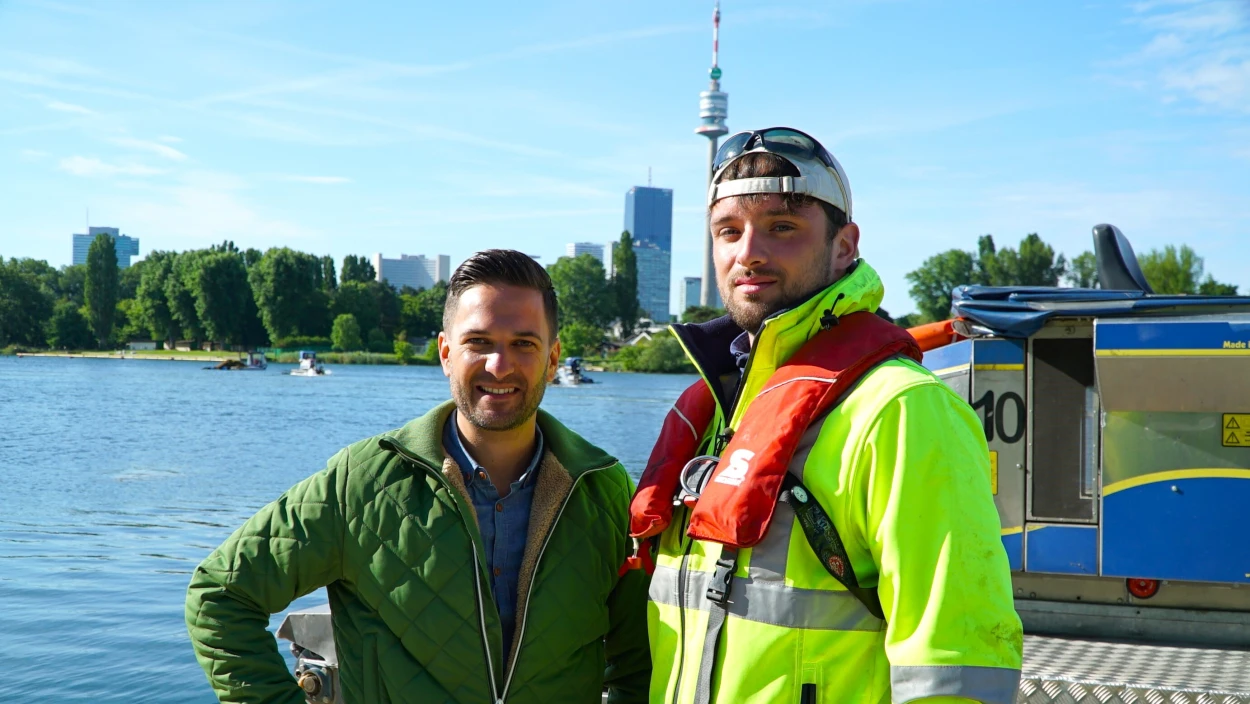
{"points": [[823, 536]]}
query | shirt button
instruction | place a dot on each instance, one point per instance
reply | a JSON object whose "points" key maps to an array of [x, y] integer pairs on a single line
{"points": [[499, 508], [498, 571], [481, 475]]}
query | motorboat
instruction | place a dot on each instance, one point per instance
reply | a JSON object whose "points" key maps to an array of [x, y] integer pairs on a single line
{"points": [[570, 373], [309, 366], [255, 362]]}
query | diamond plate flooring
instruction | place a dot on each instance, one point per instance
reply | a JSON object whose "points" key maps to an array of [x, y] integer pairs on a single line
{"points": [[1070, 671]]}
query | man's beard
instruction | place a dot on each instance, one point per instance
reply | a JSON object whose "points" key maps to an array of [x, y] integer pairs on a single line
{"points": [[750, 314], [531, 396]]}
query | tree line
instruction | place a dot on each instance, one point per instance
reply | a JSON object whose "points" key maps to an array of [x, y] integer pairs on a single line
{"points": [[235, 298], [1035, 263], [245, 299]]}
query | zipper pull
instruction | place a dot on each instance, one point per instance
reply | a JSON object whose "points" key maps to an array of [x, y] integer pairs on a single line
{"points": [[722, 440]]}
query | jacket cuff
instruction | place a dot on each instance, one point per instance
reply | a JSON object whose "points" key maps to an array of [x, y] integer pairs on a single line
{"points": [[989, 685]]}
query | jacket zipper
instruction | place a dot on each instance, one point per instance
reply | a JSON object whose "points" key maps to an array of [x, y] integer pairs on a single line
{"points": [[477, 577], [520, 636]]}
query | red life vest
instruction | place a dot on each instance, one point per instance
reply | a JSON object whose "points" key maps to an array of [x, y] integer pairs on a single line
{"points": [[737, 504]]}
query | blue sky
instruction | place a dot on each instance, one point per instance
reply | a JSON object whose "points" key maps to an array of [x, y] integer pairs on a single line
{"points": [[443, 128]]}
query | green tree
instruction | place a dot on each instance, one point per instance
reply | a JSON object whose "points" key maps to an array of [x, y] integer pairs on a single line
{"points": [[219, 285], [129, 278], [1171, 270], [1083, 271], [152, 302], [625, 284], [1211, 287], [25, 304], [72, 284], [377, 341], [910, 320], [932, 283], [129, 323], [701, 314], [582, 290], [356, 298], [285, 286], [69, 329], [403, 349], [665, 356], [180, 294], [1033, 264], [357, 269], [579, 339], [421, 313], [328, 280], [101, 287], [388, 306], [346, 333]]}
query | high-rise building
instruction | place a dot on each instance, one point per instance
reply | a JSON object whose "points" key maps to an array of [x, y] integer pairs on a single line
{"points": [[576, 249], [649, 215], [690, 288], [413, 270], [609, 258], [654, 265], [125, 246]]}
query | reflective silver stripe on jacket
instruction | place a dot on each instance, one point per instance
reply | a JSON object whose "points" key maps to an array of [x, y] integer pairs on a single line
{"points": [[769, 602], [990, 685]]}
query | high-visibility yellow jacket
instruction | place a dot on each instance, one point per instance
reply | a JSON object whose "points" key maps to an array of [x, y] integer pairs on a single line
{"points": [[902, 468]]}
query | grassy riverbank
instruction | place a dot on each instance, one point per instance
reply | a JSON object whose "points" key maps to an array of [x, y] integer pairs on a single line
{"points": [[218, 356]]}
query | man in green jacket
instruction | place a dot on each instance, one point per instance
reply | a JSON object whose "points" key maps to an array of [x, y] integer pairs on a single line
{"points": [[472, 555]]}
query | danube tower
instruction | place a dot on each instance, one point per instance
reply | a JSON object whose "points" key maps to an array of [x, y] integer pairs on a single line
{"points": [[713, 109]]}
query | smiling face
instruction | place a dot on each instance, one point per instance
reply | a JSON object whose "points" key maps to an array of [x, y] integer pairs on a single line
{"points": [[499, 355], [771, 254]]}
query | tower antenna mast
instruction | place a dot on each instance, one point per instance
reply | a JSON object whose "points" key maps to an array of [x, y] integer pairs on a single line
{"points": [[713, 110]]}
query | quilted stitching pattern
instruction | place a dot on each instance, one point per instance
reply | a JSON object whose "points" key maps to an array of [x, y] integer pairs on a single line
{"points": [[388, 540]]}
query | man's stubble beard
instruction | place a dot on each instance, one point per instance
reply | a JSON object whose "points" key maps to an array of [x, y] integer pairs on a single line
{"points": [[532, 396], [751, 314]]}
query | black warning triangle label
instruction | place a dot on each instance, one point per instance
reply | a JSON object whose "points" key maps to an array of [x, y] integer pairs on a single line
{"points": [[1231, 439], [1232, 423]]}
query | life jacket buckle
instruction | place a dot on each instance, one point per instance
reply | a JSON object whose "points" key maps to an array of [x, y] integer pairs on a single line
{"points": [[722, 579], [693, 478]]}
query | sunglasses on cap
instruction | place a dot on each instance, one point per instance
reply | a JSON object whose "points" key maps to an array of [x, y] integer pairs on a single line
{"points": [[778, 140]]}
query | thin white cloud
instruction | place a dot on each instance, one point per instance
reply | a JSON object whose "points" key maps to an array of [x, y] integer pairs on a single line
{"points": [[155, 147], [70, 107], [170, 139], [90, 167], [324, 180], [1199, 49]]}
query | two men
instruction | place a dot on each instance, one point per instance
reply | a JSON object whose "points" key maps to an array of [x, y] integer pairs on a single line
{"points": [[845, 549], [472, 555], [880, 575]]}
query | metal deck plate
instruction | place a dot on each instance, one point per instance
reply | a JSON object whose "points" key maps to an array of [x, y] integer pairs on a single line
{"points": [[1096, 672]]}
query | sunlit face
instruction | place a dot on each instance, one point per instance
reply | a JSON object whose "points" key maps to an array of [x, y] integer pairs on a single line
{"points": [[769, 256], [499, 355]]}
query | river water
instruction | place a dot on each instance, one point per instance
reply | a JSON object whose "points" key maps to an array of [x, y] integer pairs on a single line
{"points": [[118, 477]]}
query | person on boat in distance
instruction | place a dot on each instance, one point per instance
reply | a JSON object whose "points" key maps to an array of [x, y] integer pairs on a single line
{"points": [[472, 555], [846, 547]]}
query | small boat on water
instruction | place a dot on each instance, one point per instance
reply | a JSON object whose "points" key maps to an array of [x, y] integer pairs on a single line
{"points": [[570, 373], [309, 366], [255, 362]]}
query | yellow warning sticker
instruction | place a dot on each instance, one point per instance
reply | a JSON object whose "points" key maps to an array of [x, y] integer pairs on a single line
{"points": [[1235, 429], [994, 471]]}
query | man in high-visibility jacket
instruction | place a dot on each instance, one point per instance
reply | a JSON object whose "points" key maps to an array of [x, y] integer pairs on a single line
{"points": [[897, 462]]}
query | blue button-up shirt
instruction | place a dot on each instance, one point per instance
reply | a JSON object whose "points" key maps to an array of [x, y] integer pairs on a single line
{"points": [[504, 523]]}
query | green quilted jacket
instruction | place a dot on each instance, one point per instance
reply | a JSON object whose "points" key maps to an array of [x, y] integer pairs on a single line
{"points": [[389, 530]]}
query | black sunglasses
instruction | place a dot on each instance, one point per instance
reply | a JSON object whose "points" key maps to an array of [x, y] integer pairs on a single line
{"points": [[779, 140]]}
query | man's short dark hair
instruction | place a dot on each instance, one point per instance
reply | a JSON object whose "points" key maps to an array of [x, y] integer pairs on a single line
{"points": [[506, 267], [764, 164]]}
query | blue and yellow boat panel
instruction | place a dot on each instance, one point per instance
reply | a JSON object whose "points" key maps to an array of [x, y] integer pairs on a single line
{"points": [[1171, 339]]}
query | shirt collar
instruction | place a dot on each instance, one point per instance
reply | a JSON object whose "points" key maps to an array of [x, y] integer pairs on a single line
{"points": [[471, 467]]}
